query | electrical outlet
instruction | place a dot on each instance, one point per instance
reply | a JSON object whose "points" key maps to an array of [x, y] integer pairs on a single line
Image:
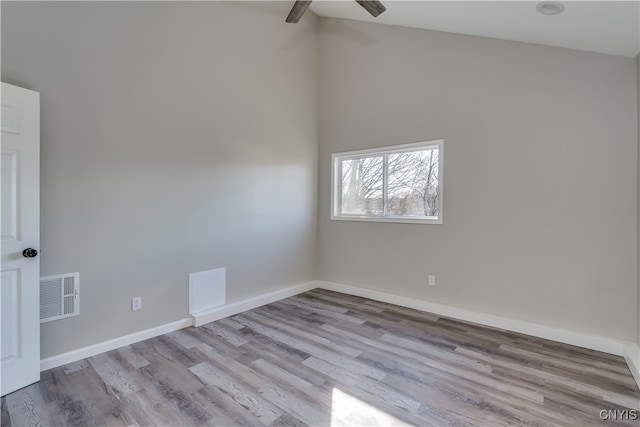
{"points": [[432, 280], [136, 303]]}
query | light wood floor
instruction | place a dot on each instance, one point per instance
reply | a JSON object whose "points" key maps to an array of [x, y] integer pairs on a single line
{"points": [[324, 358]]}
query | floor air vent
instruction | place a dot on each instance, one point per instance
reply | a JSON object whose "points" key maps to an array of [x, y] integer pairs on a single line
{"points": [[59, 296]]}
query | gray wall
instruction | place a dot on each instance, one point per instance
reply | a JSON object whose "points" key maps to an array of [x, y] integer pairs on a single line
{"points": [[176, 137], [638, 73], [540, 173]]}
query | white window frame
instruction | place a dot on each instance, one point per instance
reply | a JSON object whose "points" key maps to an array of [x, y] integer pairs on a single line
{"points": [[336, 184]]}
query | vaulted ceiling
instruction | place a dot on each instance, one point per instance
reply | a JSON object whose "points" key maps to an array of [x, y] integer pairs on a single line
{"points": [[611, 27]]}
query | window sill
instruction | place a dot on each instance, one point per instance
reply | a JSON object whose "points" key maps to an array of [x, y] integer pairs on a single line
{"points": [[408, 220]]}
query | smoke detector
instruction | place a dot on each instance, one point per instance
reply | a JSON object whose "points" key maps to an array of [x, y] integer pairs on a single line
{"points": [[550, 7]]}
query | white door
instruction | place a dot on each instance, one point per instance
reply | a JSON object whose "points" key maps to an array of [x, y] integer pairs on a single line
{"points": [[20, 182]]}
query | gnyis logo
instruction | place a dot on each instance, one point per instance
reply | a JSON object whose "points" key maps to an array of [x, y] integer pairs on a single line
{"points": [[619, 414]]}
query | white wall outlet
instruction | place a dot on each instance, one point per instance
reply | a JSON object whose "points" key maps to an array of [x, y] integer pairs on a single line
{"points": [[136, 303], [432, 280]]}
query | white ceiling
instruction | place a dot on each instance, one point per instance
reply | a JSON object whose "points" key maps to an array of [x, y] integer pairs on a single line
{"points": [[611, 27]]}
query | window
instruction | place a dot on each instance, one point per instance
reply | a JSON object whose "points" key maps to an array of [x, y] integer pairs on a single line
{"points": [[401, 183]]}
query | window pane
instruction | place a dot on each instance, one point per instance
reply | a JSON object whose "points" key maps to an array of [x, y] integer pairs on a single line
{"points": [[362, 186], [413, 183]]}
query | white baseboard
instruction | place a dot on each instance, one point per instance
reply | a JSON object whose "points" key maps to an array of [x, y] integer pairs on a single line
{"points": [[630, 351], [561, 335], [195, 320], [92, 350], [632, 357], [227, 310]]}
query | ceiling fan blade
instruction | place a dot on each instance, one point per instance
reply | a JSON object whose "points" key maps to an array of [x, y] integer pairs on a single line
{"points": [[374, 7], [298, 9]]}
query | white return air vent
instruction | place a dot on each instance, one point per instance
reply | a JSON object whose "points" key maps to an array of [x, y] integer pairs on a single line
{"points": [[59, 296]]}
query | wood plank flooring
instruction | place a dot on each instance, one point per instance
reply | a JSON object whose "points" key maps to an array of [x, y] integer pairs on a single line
{"points": [[328, 359]]}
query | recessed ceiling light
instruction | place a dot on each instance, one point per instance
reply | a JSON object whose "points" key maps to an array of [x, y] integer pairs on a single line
{"points": [[550, 7]]}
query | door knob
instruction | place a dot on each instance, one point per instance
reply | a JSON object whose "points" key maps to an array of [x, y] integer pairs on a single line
{"points": [[30, 253]]}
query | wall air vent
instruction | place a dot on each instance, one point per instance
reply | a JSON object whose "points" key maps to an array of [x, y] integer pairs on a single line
{"points": [[59, 296]]}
